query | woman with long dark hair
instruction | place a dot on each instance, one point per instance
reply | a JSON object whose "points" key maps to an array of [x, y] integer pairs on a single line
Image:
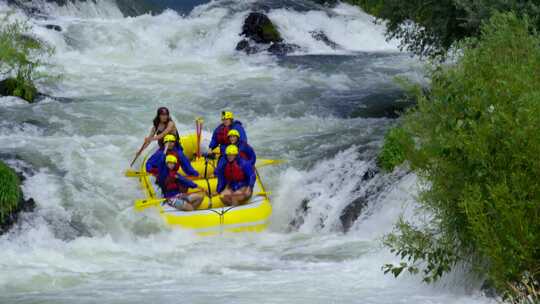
{"points": [[163, 125]]}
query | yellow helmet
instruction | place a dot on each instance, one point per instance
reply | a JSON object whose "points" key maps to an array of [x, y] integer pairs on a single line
{"points": [[171, 159], [169, 138], [233, 132], [231, 150], [227, 115]]}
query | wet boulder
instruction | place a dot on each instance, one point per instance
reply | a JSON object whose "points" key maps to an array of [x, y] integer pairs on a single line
{"points": [[13, 87], [357, 207], [12, 201], [488, 289], [247, 47], [282, 49], [321, 36], [299, 213], [350, 214], [369, 174], [53, 27], [260, 34], [260, 29], [26, 7]]}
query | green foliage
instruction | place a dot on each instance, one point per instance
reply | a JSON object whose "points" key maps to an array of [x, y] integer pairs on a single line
{"points": [[270, 33], [20, 56], [15, 87], [393, 152], [478, 149], [421, 248], [10, 193], [431, 28]]}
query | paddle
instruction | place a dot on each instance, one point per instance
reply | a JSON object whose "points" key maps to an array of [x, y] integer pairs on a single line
{"points": [[269, 162], [144, 145], [198, 128], [144, 203]]}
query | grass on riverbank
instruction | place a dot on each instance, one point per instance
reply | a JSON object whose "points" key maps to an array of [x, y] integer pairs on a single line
{"points": [[10, 192]]}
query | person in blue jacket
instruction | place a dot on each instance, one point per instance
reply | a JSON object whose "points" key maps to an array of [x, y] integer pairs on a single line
{"points": [[175, 186], [171, 146], [220, 136], [245, 151], [236, 178]]}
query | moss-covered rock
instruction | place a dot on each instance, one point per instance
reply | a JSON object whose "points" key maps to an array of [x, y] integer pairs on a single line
{"points": [[10, 192], [11, 198], [14, 87], [260, 29], [270, 32], [262, 35]]}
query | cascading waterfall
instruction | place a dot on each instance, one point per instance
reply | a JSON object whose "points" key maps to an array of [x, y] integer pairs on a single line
{"points": [[321, 109]]}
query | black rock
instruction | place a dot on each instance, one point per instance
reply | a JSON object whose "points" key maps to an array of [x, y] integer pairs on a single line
{"points": [[321, 36], [350, 214], [245, 46], [28, 205], [54, 27], [260, 32], [300, 212], [10, 219], [260, 29], [5, 87], [326, 2], [370, 173], [282, 49], [488, 289], [21, 176], [242, 45], [26, 8]]}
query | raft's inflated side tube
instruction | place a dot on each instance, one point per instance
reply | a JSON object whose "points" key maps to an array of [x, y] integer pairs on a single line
{"points": [[250, 217]]}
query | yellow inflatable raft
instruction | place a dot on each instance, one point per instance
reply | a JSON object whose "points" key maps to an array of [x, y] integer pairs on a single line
{"points": [[212, 216]]}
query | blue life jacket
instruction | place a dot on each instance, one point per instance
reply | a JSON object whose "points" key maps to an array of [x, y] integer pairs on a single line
{"points": [[153, 162], [220, 135]]}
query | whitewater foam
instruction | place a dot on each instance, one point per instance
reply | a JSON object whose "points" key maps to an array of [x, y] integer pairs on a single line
{"points": [[349, 27]]}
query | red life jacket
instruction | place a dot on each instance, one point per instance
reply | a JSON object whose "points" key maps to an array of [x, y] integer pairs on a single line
{"points": [[172, 184], [222, 135], [234, 173]]}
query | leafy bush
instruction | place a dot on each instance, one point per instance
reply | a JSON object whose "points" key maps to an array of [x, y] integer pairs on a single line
{"points": [[478, 149], [431, 28], [10, 193], [392, 154], [20, 56]]}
